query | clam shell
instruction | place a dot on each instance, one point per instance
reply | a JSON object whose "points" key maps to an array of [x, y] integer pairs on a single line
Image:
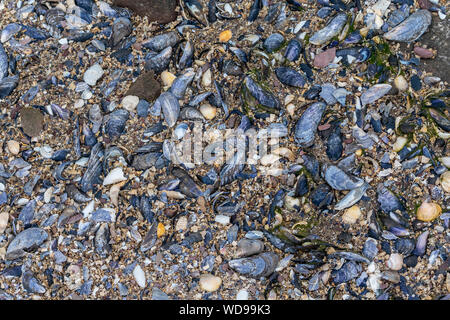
{"points": [[332, 29], [180, 84], [306, 127], [374, 93], [159, 42], [340, 180], [290, 77], [293, 50], [159, 62], [262, 265], [412, 28], [247, 247], [273, 42], [3, 63], [265, 98], [170, 107]]}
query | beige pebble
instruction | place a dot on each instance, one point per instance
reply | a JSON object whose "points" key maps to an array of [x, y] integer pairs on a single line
{"points": [[114, 194], [210, 283], [351, 215], [208, 111], [395, 261], [428, 211], [181, 224], [4, 217], [290, 109], [445, 181], [400, 83], [13, 147], [130, 103], [167, 78], [206, 78]]}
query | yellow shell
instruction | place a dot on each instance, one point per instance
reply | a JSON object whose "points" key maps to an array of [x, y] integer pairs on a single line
{"points": [[224, 36], [161, 230], [428, 211]]}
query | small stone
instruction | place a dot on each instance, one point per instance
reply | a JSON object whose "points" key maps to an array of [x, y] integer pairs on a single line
{"points": [[445, 181], [410, 261], [322, 59], [167, 78], [400, 83], [146, 87], [207, 78], [399, 144], [139, 276], [32, 121], [428, 211], [160, 230], [93, 74], [4, 217], [423, 52], [130, 103], [416, 84], [395, 261], [224, 36], [181, 224], [13, 147], [210, 283], [351, 215], [208, 111]]}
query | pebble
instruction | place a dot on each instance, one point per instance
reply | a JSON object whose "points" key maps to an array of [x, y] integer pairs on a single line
{"points": [[445, 181], [410, 261], [4, 217], [208, 111], [167, 78], [351, 214], [130, 103], [210, 283], [395, 261], [423, 52], [32, 121], [93, 74], [322, 59], [400, 83], [181, 224], [13, 147]]}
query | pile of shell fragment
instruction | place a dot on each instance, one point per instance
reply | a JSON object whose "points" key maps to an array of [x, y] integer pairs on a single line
{"points": [[97, 202]]}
